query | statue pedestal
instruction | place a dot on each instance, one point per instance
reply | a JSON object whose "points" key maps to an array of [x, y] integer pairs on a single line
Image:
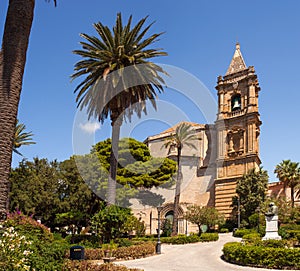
{"points": [[272, 228]]}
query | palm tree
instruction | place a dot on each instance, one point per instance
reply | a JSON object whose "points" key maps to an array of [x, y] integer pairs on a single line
{"points": [[289, 172], [12, 63], [21, 138], [282, 171], [293, 180], [184, 135], [119, 79]]}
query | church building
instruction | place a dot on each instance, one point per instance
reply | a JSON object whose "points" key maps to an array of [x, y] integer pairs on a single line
{"points": [[227, 149]]}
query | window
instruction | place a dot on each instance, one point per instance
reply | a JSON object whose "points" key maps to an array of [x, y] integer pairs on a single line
{"points": [[236, 102]]}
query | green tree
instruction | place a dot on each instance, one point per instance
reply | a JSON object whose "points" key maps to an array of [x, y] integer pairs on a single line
{"points": [[136, 166], [184, 135], [112, 222], [288, 172], [282, 172], [34, 187], [251, 192], [53, 191], [203, 215], [137, 171], [15, 41], [78, 203], [21, 138], [109, 89]]}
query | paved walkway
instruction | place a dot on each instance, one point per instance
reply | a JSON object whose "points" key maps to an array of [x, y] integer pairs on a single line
{"points": [[190, 257]]}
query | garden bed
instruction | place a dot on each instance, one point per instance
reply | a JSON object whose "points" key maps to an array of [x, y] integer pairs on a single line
{"points": [[262, 256]]}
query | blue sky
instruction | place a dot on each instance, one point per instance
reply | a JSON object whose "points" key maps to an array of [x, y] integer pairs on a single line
{"points": [[200, 39]]}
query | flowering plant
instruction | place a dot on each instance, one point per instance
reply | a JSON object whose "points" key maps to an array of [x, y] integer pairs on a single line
{"points": [[14, 251]]}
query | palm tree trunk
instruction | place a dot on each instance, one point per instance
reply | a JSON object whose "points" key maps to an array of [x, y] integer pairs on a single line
{"points": [[112, 184], [284, 189], [177, 194], [292, 196], [12, 63]]}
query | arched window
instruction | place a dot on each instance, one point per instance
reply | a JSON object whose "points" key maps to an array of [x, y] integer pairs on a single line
{"points": [[236, 102], [169, 215]]}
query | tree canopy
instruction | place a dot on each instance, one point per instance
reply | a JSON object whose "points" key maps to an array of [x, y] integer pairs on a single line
{"points": [[251, 192], [203, 215], [69, 192], [288, 172], [136, 167]]}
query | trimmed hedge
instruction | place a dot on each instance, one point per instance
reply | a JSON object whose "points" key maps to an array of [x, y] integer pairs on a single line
{"points": [[262, 256], [241, 232], [208, 237], [134, 252], [193, 238], [180, 239], [88, 266], [124, 253]]}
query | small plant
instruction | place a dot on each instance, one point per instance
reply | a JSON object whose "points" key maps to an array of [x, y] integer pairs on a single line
{"points": [[109, 248]]}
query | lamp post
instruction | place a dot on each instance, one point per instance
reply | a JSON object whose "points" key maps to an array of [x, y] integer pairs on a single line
{"points": [[158, 244], [258, 211], [239, 213]]}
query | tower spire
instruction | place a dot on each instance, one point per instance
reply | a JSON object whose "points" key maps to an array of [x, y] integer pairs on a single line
{"points": [[237, 63]]}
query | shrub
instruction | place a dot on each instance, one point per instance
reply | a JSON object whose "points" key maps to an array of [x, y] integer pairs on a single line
{"points": [[132, 252], [273, 243], [261, 256], [251, 237], [28, 226], [91, 241], [87, 266], [46, 254], [224, 230], [124, 242], [229, 224], [181, 239], [193, 238], [208, 237], [242, 232], [94, 253], [14, 251]]}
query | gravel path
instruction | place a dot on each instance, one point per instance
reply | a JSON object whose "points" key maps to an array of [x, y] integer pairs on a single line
{"points": [[191, 257]]}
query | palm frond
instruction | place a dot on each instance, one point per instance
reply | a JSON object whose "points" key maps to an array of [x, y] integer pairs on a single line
{"points": [[21, 137], [106, 57]]}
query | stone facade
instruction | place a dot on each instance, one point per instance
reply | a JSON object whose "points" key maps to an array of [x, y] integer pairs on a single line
{"points": [[227, 149], [237, 127]]}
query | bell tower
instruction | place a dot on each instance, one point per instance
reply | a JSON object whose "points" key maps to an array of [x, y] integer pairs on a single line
{"points": [[237, 127]]}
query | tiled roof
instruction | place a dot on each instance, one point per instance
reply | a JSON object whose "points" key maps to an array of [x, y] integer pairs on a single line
{"points": [[172, 129]]}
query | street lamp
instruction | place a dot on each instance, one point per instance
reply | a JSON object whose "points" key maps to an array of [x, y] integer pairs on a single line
{"points": [[239, 213], [258, 211], [158, 244]]}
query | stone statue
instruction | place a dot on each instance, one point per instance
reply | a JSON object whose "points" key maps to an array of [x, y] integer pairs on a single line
{"points": [[273, 210], [272, 223]]}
